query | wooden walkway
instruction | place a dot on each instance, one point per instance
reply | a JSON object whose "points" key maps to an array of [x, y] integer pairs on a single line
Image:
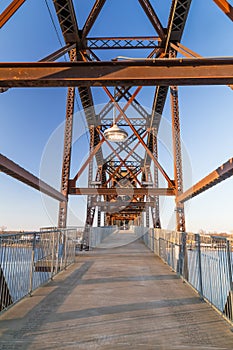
{"points": [[121, 298]]}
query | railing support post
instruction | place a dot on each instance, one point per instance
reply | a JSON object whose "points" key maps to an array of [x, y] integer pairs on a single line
{"points": [[32, 264], [57, 251], [198, 246], [183, 268], [229, 304], [229, 263], [153, 240]]}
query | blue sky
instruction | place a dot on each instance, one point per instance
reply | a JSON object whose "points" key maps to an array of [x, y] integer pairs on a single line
{"points": [[29, 117]]}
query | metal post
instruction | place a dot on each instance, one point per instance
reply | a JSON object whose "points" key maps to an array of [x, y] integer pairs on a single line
{"points": [[229, 263], [229, 304], [57, 252], [105, 219], [53, 256], [147, 216], [183, 265], [62, 216], [65, 240], [198, 246], [99, 217], [32, 264], [153, 239]]}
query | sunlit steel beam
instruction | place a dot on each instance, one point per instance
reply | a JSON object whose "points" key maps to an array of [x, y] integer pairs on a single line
{"points": [[88, 160], [215, 177], [119, 204], [9, 11], [150, 12], [12, 169], [225, 7], [92, 17], [126, 191]]}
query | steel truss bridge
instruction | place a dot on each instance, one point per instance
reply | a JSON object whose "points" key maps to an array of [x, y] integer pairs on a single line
{"points": [[125, 175]]}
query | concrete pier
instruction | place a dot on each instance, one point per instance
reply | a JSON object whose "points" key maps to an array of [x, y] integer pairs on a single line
{"points": [[115, 298]]}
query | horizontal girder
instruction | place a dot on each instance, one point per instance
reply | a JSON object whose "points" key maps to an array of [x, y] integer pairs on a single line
{"points": [[114, 43], [123, 204], [197, 71], [119, 191]]}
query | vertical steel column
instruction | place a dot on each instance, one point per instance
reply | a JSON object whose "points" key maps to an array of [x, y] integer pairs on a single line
{"points": [[148, 180], [177, 156], [99, 217], [105, 219], [155, 209], [147, 217], [62, 216], [99, 178], [90, 209]]}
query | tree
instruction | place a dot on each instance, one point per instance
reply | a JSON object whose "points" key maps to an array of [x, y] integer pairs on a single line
{"points": [[3, 229]]}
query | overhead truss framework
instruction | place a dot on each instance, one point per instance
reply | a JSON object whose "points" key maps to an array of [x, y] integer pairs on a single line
{"points": [[124, 184]]}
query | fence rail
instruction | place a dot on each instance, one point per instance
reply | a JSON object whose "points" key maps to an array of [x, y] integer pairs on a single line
{"points": [[28, 260], [203, 261]]}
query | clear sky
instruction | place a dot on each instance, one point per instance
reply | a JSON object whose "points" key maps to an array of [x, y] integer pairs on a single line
{"points": [[31, 119]]}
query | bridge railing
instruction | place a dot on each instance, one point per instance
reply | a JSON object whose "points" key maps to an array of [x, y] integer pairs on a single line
{"points": [[205, 262], [28, 260]]}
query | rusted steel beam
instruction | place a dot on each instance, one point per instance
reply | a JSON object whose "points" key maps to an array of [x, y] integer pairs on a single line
{"points": [[177, 158], [113, 43], [170, 182], [92, 17], [122, 161], [215, 177], [175, 27], [225, 7], [177, 20], [9, 11], [118, 204], [183, 50], [152, 16], [59, 53], [69, 27], [197, 71], [67, 19], [88, 160], [10, 168], [125, 159], [65, 174], [119, 191]]}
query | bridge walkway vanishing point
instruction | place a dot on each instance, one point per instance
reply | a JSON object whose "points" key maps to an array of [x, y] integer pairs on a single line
{"points": [[115, 298]]}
